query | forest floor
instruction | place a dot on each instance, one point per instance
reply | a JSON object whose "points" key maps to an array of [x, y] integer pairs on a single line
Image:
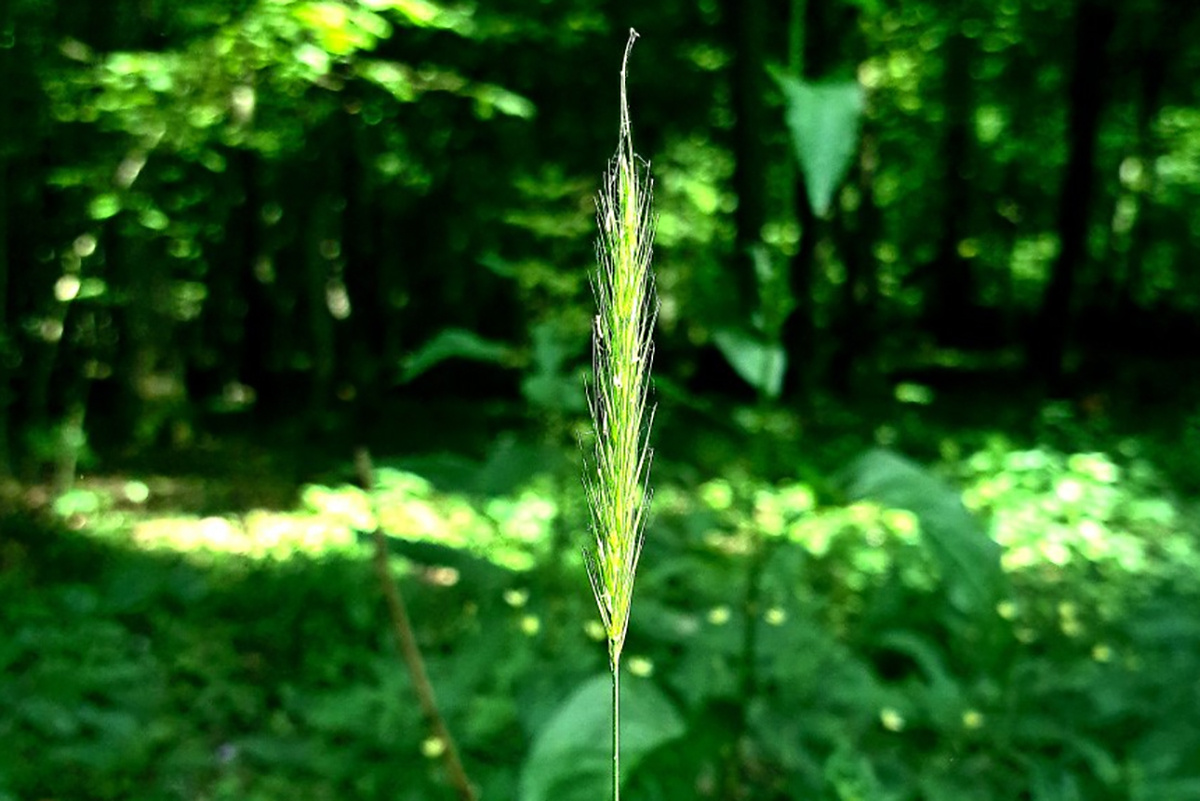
{"points": [[201, 623]]}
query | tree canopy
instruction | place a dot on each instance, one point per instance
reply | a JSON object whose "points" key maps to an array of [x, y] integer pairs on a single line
{"points": [[297, 207]]}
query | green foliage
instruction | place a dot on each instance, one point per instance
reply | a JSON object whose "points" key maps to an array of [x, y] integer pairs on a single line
{"points": [[65, 441], [282, 198], [760, 364], [81, 692], [251, 68], [823, 120], [970, 561], [453, 343], [174, 656], [550, 384], [570, 758], [242, 200], [1107, 528]]}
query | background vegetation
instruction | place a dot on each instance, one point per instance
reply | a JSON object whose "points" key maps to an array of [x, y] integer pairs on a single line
{"points": [[237, 239]]}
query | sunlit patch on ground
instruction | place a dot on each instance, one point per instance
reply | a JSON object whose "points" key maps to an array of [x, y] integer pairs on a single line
{"points": [[510, 531]]}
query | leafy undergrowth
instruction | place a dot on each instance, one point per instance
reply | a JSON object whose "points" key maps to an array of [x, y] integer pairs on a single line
{"points": [[874, 639]]}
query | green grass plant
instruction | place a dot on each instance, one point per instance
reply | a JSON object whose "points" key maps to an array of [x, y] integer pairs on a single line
{"points": [[618, 492]]}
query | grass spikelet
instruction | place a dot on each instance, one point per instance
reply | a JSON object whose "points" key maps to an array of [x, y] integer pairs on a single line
{"points": [[618, 495], [622, 351]]}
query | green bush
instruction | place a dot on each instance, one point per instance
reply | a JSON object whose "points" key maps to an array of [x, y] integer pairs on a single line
{"points": [[787, 642]]}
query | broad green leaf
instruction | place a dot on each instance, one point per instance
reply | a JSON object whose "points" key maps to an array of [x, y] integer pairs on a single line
{"points": [[91, 288], [851, 774], [344, 711], [418, 12], [395, 78], [549, 384], [494, 98], [424, 14], [554, 392], [341, 29], [154, 219], [970, 560], [104, 206], [453, 343], [571, 758], [313, 57], [1184, 788], [823, 120], [759, 363]]}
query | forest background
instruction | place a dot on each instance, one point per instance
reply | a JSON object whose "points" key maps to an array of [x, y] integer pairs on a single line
{"points": [[239, 239]]}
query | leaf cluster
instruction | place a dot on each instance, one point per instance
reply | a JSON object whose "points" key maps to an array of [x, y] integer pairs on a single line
{"points": [[200, 668]]}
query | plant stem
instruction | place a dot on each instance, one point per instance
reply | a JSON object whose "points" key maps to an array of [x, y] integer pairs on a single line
{"points": [[406, 644], [618, 493], [616, 731]]}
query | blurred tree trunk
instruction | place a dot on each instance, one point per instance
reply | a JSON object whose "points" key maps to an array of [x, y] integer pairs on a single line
{"points": [[288, 194], [856, 326], [151, 361], [25, 215], [951, 303], [320, 323], [800, 329], [256, 274], [7, 345], [1010, 209], [37, 300], [322, 254], [362, 269], [1095, 22], [8, 147], [747, 21], [221, 350], [393, 281], [822, 43], [1143, 185]]}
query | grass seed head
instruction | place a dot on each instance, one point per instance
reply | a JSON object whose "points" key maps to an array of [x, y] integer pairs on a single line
{"points": [[618, 493]]}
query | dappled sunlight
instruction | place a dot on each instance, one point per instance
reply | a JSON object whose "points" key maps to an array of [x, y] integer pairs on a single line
{"points": [[1050, 512], [512, 532], [1082, 511], [294, 369], [877, 600], [259, 535]]}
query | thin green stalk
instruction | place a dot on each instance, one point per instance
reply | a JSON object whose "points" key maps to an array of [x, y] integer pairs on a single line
{"points": [[406, 643], [616, 733], [618, 493]]}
